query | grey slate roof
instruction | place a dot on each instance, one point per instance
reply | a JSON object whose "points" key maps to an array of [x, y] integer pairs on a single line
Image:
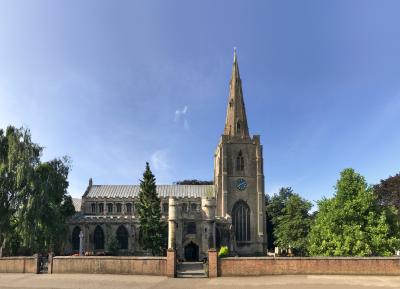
{"points": [[77, 204], [132, 191]]}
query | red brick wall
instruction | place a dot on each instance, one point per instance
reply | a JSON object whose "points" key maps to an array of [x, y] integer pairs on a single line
{"points": [[171, 263], [110, 265], [212, 263], [256, 266]]}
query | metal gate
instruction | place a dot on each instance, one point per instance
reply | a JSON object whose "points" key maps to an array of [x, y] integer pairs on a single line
{"points": [[43, 264]]}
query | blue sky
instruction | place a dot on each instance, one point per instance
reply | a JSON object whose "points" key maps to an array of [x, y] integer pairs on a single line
{"points": [[114, 84]]}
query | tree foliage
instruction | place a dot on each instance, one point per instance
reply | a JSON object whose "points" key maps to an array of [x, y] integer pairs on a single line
{"points": [[352, 223], [33, 195], [149, 210], [274, 206], [290, 218], [387, 192], [293, 225]]}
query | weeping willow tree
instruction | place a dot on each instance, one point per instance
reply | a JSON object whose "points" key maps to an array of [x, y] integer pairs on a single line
{"points": [[34, 202]]}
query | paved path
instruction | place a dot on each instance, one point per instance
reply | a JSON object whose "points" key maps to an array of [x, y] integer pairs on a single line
{"points": [[89, 281]]}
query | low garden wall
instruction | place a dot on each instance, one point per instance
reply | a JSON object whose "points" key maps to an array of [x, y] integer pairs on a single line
{"points": [[109, 265], [257, 266], [19, 264]]}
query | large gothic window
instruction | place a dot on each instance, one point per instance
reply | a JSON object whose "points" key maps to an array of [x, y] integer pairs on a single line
{"points": [[75, 238], [240, 162], [241, 221], [122, 237], [98, 238]]}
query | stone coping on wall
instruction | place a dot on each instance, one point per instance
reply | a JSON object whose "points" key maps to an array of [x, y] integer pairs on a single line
{"points": [[311, 258], [114, 257], [17, 257]]}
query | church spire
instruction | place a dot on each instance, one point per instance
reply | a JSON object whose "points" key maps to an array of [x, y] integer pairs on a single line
{"points": [[236, 120]]}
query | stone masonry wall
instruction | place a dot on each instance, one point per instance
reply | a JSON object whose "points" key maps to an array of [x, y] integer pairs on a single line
{"points": [[18, 265], [257, 266], [110, 265]]}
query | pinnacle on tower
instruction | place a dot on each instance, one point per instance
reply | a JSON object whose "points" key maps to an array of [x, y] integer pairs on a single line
{"points": [[236, 120]]}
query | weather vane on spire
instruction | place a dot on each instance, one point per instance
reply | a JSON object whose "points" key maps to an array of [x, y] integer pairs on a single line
{"points": [[234, 53]]}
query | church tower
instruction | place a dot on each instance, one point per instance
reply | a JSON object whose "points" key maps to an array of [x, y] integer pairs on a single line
{"points": [[239, 177]]}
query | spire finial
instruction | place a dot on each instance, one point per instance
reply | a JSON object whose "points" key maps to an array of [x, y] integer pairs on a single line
{"points": [[234, 54]]}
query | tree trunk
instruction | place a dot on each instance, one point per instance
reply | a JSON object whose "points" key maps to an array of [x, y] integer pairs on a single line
{"points": [[3, 245]]}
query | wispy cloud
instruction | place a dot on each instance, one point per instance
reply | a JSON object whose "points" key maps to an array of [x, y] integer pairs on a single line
{"points": [[180, 117], [159, 160]]}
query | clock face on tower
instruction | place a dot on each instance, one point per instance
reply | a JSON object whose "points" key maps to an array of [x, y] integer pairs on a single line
{"points": [[241, 184]]}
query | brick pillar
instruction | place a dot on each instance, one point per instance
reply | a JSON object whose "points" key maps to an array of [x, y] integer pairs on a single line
{"points": [[171, 263], [212, 263]]}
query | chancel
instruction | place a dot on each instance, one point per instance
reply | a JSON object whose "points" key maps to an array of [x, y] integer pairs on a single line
{"points": [[230, 212]]}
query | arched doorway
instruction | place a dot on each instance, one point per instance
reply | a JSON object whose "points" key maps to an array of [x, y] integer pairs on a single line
{"points": [[75, 238], [98, 238], [191, 252]]}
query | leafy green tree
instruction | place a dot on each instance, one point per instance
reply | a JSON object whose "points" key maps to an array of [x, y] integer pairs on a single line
{"points": [[18, 158], [33, 195], [274, 206], [352, 223], [293, 225], [388, 192], [149, 210], [42, 215]]}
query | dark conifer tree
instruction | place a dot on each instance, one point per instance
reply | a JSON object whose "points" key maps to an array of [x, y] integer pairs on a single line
{"points": [[149, 210]]}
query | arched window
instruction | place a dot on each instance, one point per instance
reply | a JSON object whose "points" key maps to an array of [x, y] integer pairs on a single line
{"points": [[191, 228], [119, 208], [75, 238], [93, 208], [122, 237], [109, 207], [98, 238], [165, 207], [129, 208], [184, 207], [193, 206], [241, 221], [240, 162], [238, 126], [101, 208]]}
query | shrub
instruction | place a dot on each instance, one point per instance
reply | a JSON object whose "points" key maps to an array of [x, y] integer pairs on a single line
{"points": [[223, 252]]}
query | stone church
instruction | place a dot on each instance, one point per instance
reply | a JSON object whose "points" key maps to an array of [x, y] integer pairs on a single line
{"points": [[231, 212]]}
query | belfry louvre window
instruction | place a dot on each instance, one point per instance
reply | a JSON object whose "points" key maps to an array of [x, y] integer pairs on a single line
{"points": [[240, 162], [241, 221], [101, 208]]}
